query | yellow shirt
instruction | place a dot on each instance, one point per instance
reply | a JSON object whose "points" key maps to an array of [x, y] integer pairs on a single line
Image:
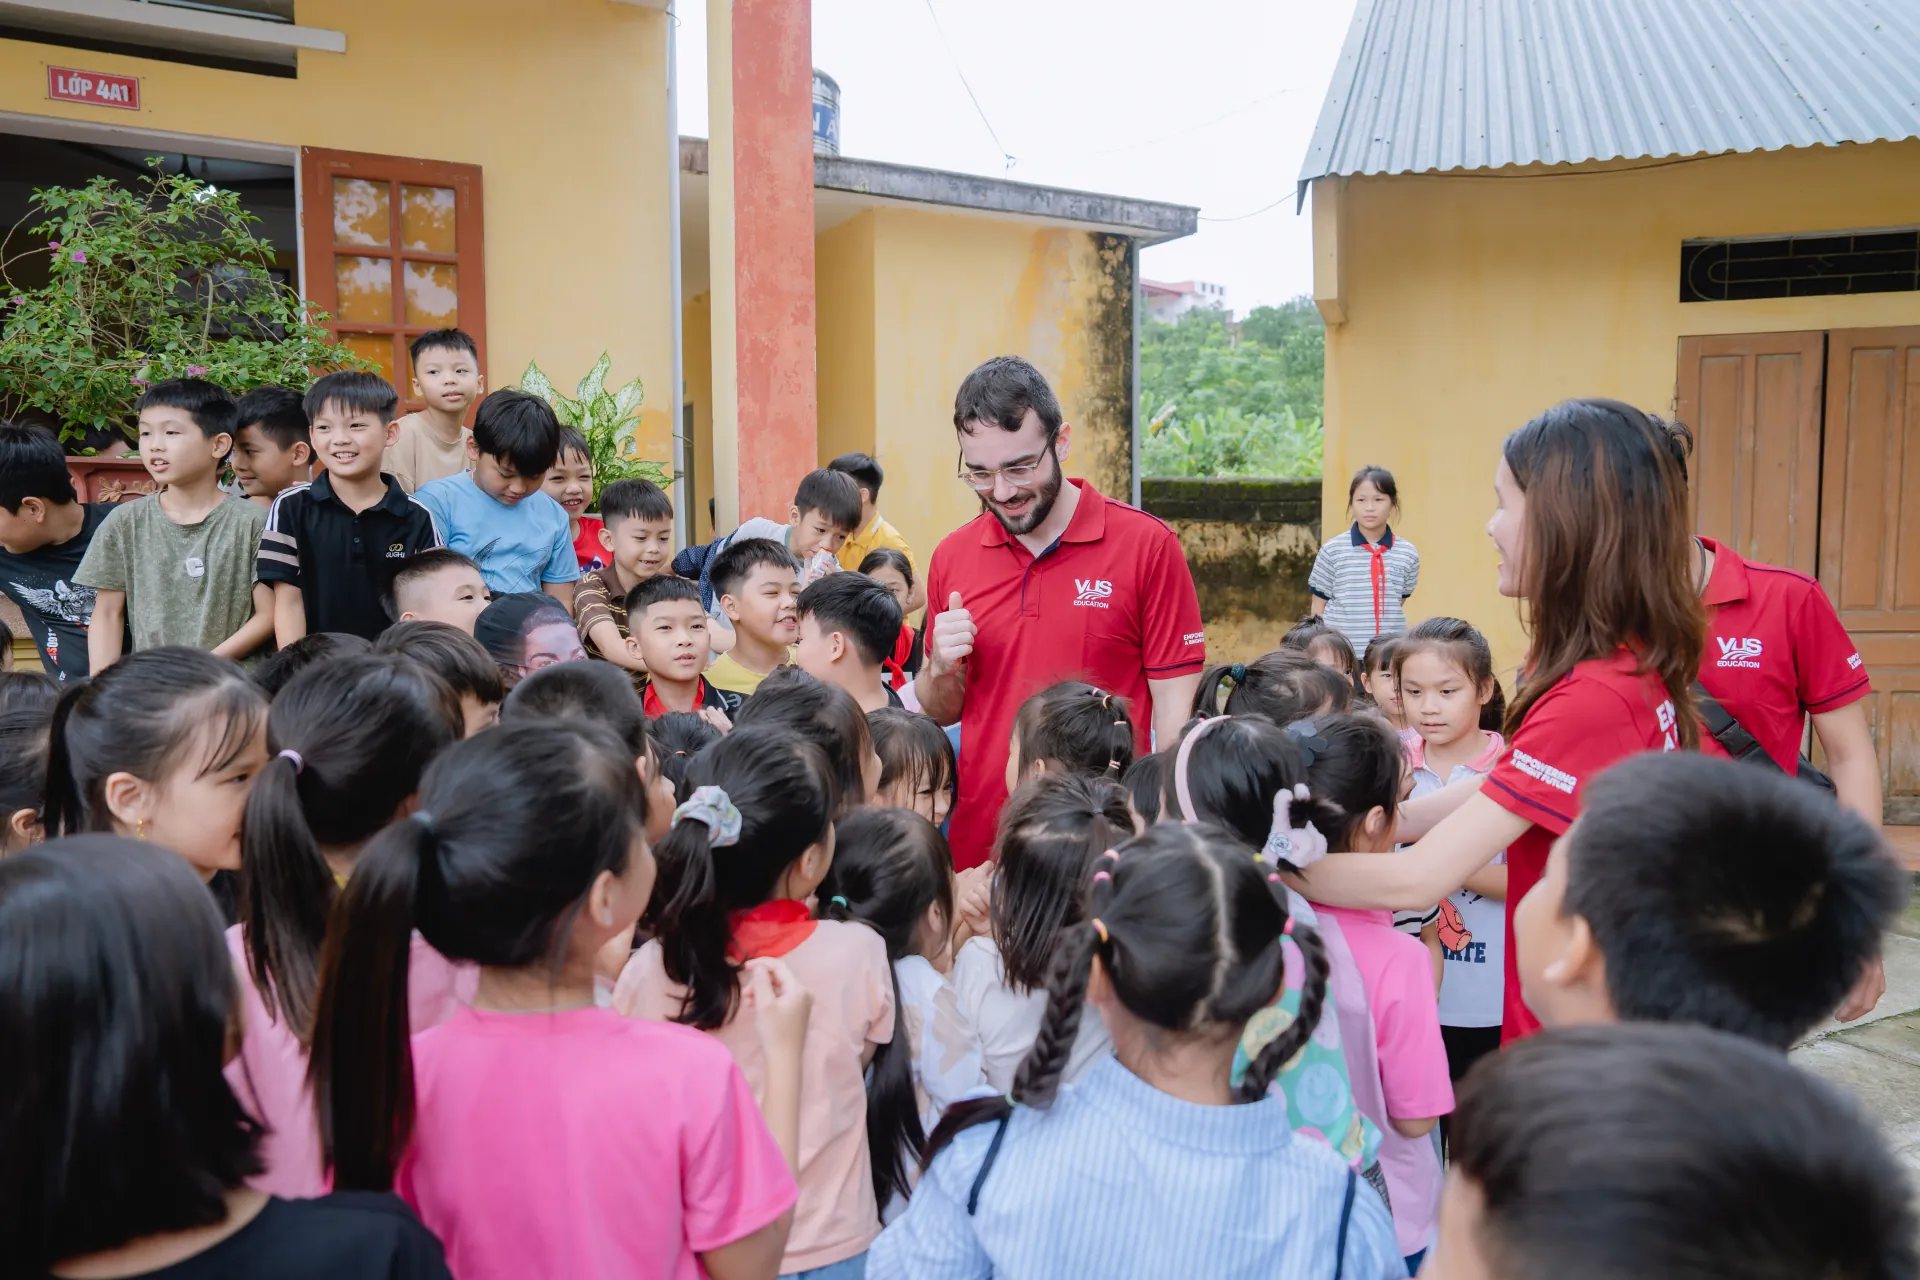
{"points": [[877, 534], [727, 674]]}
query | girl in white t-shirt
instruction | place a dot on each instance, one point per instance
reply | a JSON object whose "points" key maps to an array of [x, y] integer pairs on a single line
{"points": [[1443, 670]]}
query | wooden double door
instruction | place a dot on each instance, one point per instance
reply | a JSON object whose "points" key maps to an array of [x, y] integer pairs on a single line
{"points": [[1807, 454]]}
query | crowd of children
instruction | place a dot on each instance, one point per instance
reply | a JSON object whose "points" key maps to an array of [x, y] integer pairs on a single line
{"points": [[596, 904]]}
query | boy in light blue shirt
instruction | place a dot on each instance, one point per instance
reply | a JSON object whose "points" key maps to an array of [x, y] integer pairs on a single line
{"points": [[496, 514]]}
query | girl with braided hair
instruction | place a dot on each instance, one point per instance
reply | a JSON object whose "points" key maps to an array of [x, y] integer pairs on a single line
{"points": [[1156, 1163]]}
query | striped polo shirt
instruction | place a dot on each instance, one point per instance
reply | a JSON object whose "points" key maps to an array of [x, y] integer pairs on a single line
{"points": [[1360, 607]]}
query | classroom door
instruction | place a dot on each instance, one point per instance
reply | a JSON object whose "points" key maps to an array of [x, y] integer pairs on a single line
{"points": [[1870, 534], [1807, 455]]}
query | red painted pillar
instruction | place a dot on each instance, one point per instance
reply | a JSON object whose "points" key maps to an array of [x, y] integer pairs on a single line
{"points": [[760, 79]]}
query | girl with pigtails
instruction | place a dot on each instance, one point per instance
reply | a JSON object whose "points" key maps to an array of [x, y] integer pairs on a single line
{"points": [[1156, 1162]]}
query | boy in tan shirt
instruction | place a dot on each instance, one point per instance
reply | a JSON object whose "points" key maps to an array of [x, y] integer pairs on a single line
{"points": [[432, 443]]}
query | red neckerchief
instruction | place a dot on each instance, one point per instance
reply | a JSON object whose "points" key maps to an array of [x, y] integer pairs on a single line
{"points": [[895, 664], [1379, 568], [770, 929], [654, 708]]}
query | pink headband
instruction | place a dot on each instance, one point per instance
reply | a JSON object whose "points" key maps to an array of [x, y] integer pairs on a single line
{"points": [[1187, 811]]}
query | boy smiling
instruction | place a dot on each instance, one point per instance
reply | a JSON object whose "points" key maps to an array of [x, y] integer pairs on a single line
{"points": [[331, 546], [758, 582]]}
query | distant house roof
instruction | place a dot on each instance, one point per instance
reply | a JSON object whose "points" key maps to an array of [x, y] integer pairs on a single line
{"points": [[1433, 85]]}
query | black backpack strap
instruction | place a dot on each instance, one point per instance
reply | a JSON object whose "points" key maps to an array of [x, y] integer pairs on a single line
{"points": [[1727, 731], [1346, 1220], [986, 1166]]}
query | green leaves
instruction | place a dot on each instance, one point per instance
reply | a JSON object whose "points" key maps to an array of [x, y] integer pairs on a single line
{"points": [[162, 280], [1223, 399], [608, 421]]}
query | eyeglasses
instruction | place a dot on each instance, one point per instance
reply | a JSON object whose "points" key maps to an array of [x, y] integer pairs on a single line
{"points": [[1020, 475]]}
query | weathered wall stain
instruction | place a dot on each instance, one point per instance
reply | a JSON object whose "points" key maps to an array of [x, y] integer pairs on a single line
{"points": [[1250, 545]]}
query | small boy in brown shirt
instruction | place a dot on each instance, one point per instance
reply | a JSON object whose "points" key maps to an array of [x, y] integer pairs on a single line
{"points": [[638, 536], [432, 443]]}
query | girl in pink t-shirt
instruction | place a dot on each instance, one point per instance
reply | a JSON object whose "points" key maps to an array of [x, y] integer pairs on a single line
{"points": [[1355, 770], [350, 737], [734, 889], [535, 1133]]}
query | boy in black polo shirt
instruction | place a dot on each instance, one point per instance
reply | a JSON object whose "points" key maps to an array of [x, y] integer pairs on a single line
{"points": [[331, 546]]}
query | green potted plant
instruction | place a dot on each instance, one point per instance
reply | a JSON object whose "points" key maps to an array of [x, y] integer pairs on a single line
{"points": [[164, 280], [608, 420]]}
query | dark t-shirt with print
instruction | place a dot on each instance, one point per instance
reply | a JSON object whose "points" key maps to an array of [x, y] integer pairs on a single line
{"points": [[57, 608]]}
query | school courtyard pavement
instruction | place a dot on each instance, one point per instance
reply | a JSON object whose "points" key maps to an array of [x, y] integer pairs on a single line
{"points": [[1878, 1058]]}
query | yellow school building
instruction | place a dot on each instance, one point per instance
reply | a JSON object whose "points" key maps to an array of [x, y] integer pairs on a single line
{"points": [[1515, 206]]}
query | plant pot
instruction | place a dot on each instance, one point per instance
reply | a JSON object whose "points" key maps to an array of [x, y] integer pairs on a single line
{"points": [[109, 479]]}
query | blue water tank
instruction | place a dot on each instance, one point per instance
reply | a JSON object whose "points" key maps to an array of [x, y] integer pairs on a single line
{"points": [[826, 114]]}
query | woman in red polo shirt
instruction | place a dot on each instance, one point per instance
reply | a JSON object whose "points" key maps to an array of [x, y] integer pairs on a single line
{"points": [[1592, 530]]}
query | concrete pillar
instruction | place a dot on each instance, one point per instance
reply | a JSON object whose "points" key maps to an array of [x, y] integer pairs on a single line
{"points": [[760, 223]]}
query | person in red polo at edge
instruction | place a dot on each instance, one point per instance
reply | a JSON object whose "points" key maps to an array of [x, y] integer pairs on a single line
{"points": [[1776, 653], [1054, 581]]}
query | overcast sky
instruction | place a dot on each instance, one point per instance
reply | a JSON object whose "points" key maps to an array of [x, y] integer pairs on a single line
{"points": [[1202, 102]]}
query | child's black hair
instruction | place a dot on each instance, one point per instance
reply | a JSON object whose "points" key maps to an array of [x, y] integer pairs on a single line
{"points": [[735, 564], [912, 748], [279, 412], [351, 739], [1230, 773], [861, 608], [833, 494], [444, 340], [208, 404], [634, 500], [116, 1002], [825, 715], [1077, 727], [678, 737], [1313, 637], [780, 784], [519, 428], [449, 653], [353, 391], [1353, 765], [140, 716], [33, 689], [572, 441], [1605, 1152], [1145, 780], [866, 473], [1283, 685], [1461, 644], [573, 692], [1192, 936], [1051, 830], [515, 824], [1380, 478], [321, 646], [23, 761], [416, 567], [888, 558], [1379, 656], [33, 465], [1727, 895], [889, 866], [657, 590]]}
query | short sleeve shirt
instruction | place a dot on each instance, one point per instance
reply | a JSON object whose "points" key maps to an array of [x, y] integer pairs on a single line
{"points": [[56, 607], [1600, 713], [189, 584], [422, 455], [350, 1233], [1112, 603], [876, 535], [1365, 584], [600, 597], [341, 559], [1775, 651], [519, 547]]}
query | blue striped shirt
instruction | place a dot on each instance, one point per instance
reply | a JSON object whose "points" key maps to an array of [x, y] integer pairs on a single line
{"points": [[1343, 577], [1119, 1179]]}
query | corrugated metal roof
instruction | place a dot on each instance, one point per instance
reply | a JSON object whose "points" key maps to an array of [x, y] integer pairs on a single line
{"points": [[1433, 85]]}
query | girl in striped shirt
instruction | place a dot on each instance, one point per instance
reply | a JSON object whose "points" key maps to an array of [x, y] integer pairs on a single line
{"points": [[1363, 576], [1155, 1163]]}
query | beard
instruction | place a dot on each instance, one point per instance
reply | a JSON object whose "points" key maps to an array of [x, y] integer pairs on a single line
{"points": [[1043, 499]]}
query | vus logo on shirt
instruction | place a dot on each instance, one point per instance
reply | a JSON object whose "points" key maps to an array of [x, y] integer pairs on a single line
{"points": [[1744, 652], [1093, 593]]}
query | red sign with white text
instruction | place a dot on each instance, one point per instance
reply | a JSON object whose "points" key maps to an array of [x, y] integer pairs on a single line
{"points": [[64, 84]]}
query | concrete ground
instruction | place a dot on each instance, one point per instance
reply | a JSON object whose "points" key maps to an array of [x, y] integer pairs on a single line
{"points": [[1878, 1058]]}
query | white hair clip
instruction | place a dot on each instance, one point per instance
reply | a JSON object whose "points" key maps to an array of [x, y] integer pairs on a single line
{"points": [[1299, 847]]}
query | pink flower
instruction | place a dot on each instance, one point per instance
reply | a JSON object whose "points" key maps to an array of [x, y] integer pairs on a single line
{"points": [[141, 382], [196, 370], [79, 255], [53, 246]]}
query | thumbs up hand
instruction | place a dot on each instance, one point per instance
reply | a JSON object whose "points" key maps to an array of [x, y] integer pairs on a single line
{"points": [[950, 638]]}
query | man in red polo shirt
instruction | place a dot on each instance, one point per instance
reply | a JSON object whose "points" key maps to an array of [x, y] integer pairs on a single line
{"points": [[1054, 581], [1776, 653]]}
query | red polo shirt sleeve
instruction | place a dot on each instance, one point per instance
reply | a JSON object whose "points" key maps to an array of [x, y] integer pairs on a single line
{"points": [[1826, 660], [1576, 729], [1173, 640]]}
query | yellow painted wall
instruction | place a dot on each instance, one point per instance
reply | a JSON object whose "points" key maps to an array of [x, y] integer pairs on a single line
{"points": [[843, 265], [1474, 302], [562, 104]]}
